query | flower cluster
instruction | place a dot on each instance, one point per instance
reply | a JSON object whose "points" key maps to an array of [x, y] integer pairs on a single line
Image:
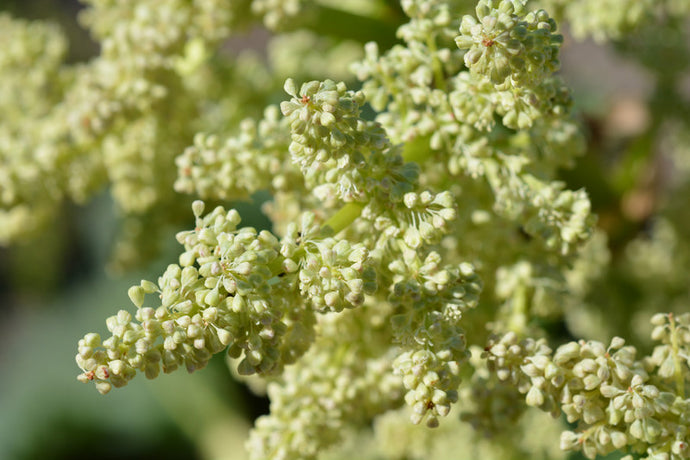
{"points": [[429, 304], [31, 83], [316, 399], [511, 56], [330, 142], [512, 47], [255, 159], [334, 277], [220, 296], [618, 401], [400, 240], [602, 20]]}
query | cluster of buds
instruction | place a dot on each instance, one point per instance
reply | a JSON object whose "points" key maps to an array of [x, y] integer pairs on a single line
{"points": [[254, 159], [616, 399], [426, 325], [223, 294], [511, 46]]}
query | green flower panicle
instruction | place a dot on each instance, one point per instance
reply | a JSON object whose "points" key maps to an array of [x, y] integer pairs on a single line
{"points": [[330, 142], [617, 400], [223, 294], [429, 310], [512, 47]]}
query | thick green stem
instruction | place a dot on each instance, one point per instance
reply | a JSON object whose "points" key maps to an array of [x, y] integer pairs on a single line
{"points": [[334, 22], [519, 314], [417, 150], [439, 78], [675, 350], [373, 9], [344, 217]]}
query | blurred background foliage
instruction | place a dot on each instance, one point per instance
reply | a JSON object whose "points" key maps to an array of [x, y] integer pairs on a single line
{"points": [[636, 171]]}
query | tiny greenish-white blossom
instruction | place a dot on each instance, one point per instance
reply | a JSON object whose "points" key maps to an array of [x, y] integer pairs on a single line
{"points": [[330, 142], [617, 399], [235, 168], [510, 45], [221, 295], [427, 327]]}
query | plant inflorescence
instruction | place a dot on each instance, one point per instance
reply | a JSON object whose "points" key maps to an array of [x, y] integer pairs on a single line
{"points": [[423, 243]]}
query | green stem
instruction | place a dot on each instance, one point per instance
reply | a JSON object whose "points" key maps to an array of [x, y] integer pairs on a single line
{"points": [[374, 9], [344, 217], [334, 22], [518, 317], [675, 350], [417, 150], [391, 84], [337, 223], [439, 78]]}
